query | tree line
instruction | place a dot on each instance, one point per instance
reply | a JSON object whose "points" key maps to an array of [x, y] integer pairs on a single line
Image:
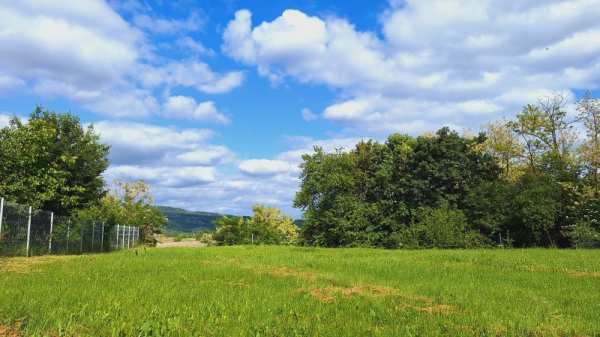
{"points": [[530, 181]]}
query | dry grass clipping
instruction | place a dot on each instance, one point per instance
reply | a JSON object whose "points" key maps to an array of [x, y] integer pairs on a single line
{"points": [[328, 294], [7, 331], [24, 265], [286, 272]]}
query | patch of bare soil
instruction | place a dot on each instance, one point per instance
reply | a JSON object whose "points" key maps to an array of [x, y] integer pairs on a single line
{"points": [[573, 273], [286, 272], [24, 265], [328, 294], [7, 331]]}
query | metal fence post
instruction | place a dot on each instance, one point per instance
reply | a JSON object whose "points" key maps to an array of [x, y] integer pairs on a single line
{"points": [[28, 230], [50, 235], [117, 247], [123, 231], [93, 231], [81, 239], [68, 233], [1, 215], [102, 240], [128, 236]]}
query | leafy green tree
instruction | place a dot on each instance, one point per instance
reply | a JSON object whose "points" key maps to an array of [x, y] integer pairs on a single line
{"points": [[504, 146], [589, 112], [536, 211], [231, 231], [52, 162], [128, 204], [268, 225], [446, 167], [326, 184], [363, 196]]}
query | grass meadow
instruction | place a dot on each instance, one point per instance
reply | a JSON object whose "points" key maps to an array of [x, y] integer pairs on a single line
{"points": [[289, 291]]}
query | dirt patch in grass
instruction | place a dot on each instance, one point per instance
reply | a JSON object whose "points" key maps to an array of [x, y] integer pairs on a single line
{"points": [[328, 294], [414, 302], [23, 265], [285, 272], [573, 273], [238, 284], [7, 331], [432, 309], [569, 272]]}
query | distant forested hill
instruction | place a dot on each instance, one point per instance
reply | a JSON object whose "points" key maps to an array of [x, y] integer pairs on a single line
{"points": [[181, 220]]}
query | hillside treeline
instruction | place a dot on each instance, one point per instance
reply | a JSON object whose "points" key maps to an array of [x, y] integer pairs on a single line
{"points": [[531, 181]]}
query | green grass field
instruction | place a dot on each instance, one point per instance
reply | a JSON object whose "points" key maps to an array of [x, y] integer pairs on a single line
{"points": [[287, 291]]}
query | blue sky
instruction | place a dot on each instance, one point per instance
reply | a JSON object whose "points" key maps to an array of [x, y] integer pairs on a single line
{"points": [[213, 102]]}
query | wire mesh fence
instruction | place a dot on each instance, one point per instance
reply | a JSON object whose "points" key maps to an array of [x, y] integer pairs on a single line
{"points": [[25, 231]]}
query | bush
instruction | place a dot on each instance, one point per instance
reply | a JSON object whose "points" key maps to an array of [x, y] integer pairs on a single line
{"points": [[268, 225], [441, 227], [206, 238], [583, 235]]}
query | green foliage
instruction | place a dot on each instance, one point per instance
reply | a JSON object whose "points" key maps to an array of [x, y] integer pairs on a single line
{"points": [[231, 231], [129, 204], [266, 226], [583, 235], [206, 237], [371, 196], [52, 162], [440, 227]]}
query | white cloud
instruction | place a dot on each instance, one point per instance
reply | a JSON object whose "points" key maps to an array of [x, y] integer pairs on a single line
{"points": [[169, 26], [163, 176], [10, 82], [433, 62], [206, 155], [308, 115], [187, 43], [85, 43], [184, 107], [4, 120], [137, 143], [265, 167], [86, 52], [192, 74]]}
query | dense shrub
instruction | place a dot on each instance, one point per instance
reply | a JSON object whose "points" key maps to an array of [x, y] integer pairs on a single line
{"points": [[266, 226]]}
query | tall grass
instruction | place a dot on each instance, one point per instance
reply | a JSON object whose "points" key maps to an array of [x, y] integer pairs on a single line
{"points": [[288, 291]]}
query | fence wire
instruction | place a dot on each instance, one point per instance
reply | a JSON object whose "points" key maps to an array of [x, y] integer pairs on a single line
{"points": [[27, 232]]}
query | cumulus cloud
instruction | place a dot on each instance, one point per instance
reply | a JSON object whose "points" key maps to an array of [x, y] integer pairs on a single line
{"points": [[189, 44], [207, 155], [138, 143], [265, 167], [10, 82], [89, 54], [193, 22], [4, 120], [184, 107], [433, 62], [308, 115], [85, 43], [192, 73], [163, 176]]}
